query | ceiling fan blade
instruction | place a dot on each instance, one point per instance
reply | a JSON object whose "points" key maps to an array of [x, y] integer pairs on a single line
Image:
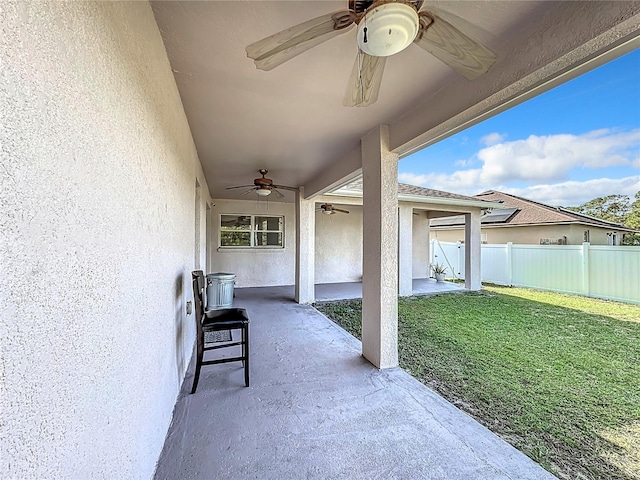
{"points": [[284, 187], [248, 191], [340, 210], [277, 193], [272, 51], [444, 41], [364, 83], [239, 186]]}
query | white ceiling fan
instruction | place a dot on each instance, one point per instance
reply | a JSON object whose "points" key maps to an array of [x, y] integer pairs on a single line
{"points": [[328, 209], [384, 28], [264, 186]]}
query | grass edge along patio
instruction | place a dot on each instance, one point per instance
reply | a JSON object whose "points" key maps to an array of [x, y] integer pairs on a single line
{"points": [[555, 375]]}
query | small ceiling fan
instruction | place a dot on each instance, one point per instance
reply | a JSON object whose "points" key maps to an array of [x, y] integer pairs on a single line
{"points": [[329, 209], [264, 186], [385, 27]]}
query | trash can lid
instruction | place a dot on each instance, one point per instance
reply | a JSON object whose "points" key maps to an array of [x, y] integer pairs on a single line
{"points": [[220, 275]]}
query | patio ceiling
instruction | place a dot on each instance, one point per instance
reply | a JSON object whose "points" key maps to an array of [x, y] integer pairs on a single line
{"points": [[291, 120]]}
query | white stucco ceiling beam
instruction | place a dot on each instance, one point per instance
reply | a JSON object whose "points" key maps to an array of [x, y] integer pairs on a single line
{"points": [[339, 199], [570, 39], [418, 201], [439, 213], [446, 203]]}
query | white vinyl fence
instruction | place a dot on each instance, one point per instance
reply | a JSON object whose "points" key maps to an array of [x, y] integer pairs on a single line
{"points": [[601, 271]]}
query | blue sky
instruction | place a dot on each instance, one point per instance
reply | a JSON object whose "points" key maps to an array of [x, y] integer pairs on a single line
{"points": [[576, 142]]}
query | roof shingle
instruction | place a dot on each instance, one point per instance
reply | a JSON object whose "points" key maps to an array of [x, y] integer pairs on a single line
{"points": [[406, 189], [531, 212]]}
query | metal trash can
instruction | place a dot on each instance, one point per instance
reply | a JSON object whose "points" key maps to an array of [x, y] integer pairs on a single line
{"points": [[220, 290]]}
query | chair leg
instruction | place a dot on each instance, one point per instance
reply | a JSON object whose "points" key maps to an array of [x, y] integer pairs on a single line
{"points": [[244, 345], [199, 356], [245, 354]]}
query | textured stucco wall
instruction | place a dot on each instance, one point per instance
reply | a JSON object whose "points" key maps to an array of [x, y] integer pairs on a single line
{"points": [[339, 246], [305, 249], [254, 267], [420, 246], [97, 214], [379, 249]]}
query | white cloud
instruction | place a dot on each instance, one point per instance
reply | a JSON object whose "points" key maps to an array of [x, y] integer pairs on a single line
{"points": [[492, 139], [463, 162], [572, 193], [464, 182], [551, 158], [544, 164], [567, 194]]}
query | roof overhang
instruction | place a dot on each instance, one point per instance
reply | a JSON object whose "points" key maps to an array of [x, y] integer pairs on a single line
{"points": [[546, 224], [448, 201], [421, 199]]}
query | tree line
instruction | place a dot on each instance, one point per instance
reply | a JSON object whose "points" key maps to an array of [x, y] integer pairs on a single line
{"points": [[618, 209]]}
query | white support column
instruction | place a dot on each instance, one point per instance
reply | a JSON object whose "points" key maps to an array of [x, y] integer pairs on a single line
{"points": [[405, 250], [472, 251], [305, 248], [380, 250]]}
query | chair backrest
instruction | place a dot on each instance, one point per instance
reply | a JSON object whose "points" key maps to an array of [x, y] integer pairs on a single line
{"points": [[197, 277]]}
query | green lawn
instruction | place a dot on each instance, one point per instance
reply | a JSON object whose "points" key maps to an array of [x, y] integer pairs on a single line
{"points": [[557, 376]]}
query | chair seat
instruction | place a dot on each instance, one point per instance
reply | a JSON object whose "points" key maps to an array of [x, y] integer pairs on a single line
{"points": [[226, 317], [211, 326]]}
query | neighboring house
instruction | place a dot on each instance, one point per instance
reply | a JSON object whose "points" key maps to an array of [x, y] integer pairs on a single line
{"points": [[524, 221], [268, 257]]}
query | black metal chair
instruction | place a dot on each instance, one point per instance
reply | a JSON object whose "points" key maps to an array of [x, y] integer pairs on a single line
{"points": [[214, 321]]}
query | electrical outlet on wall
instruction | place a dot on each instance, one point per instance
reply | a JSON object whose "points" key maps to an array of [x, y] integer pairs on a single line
{"points": [[189, 307]]}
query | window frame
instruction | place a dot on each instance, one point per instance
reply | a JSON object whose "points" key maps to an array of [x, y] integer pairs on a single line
{"points": [[253, 231]]}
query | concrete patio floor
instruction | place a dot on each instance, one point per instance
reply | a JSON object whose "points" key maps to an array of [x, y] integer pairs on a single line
{"points": [[317, 409], [344, 291]]}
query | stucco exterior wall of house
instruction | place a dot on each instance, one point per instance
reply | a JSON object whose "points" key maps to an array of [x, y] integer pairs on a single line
{"points": [[254, 267], [597, 236], [97, 214], [420, 246], [339, 246], [529, 235]]}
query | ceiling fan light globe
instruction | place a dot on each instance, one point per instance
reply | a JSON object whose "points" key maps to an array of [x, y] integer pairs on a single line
{"points": [[263, 192], [391, 27]]}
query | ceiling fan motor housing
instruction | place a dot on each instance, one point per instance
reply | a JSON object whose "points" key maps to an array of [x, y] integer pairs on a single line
{"points": [[387, 29]]}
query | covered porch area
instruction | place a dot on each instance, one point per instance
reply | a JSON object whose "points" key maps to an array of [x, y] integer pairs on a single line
{"points": [[317, 409], [129, 129]]}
